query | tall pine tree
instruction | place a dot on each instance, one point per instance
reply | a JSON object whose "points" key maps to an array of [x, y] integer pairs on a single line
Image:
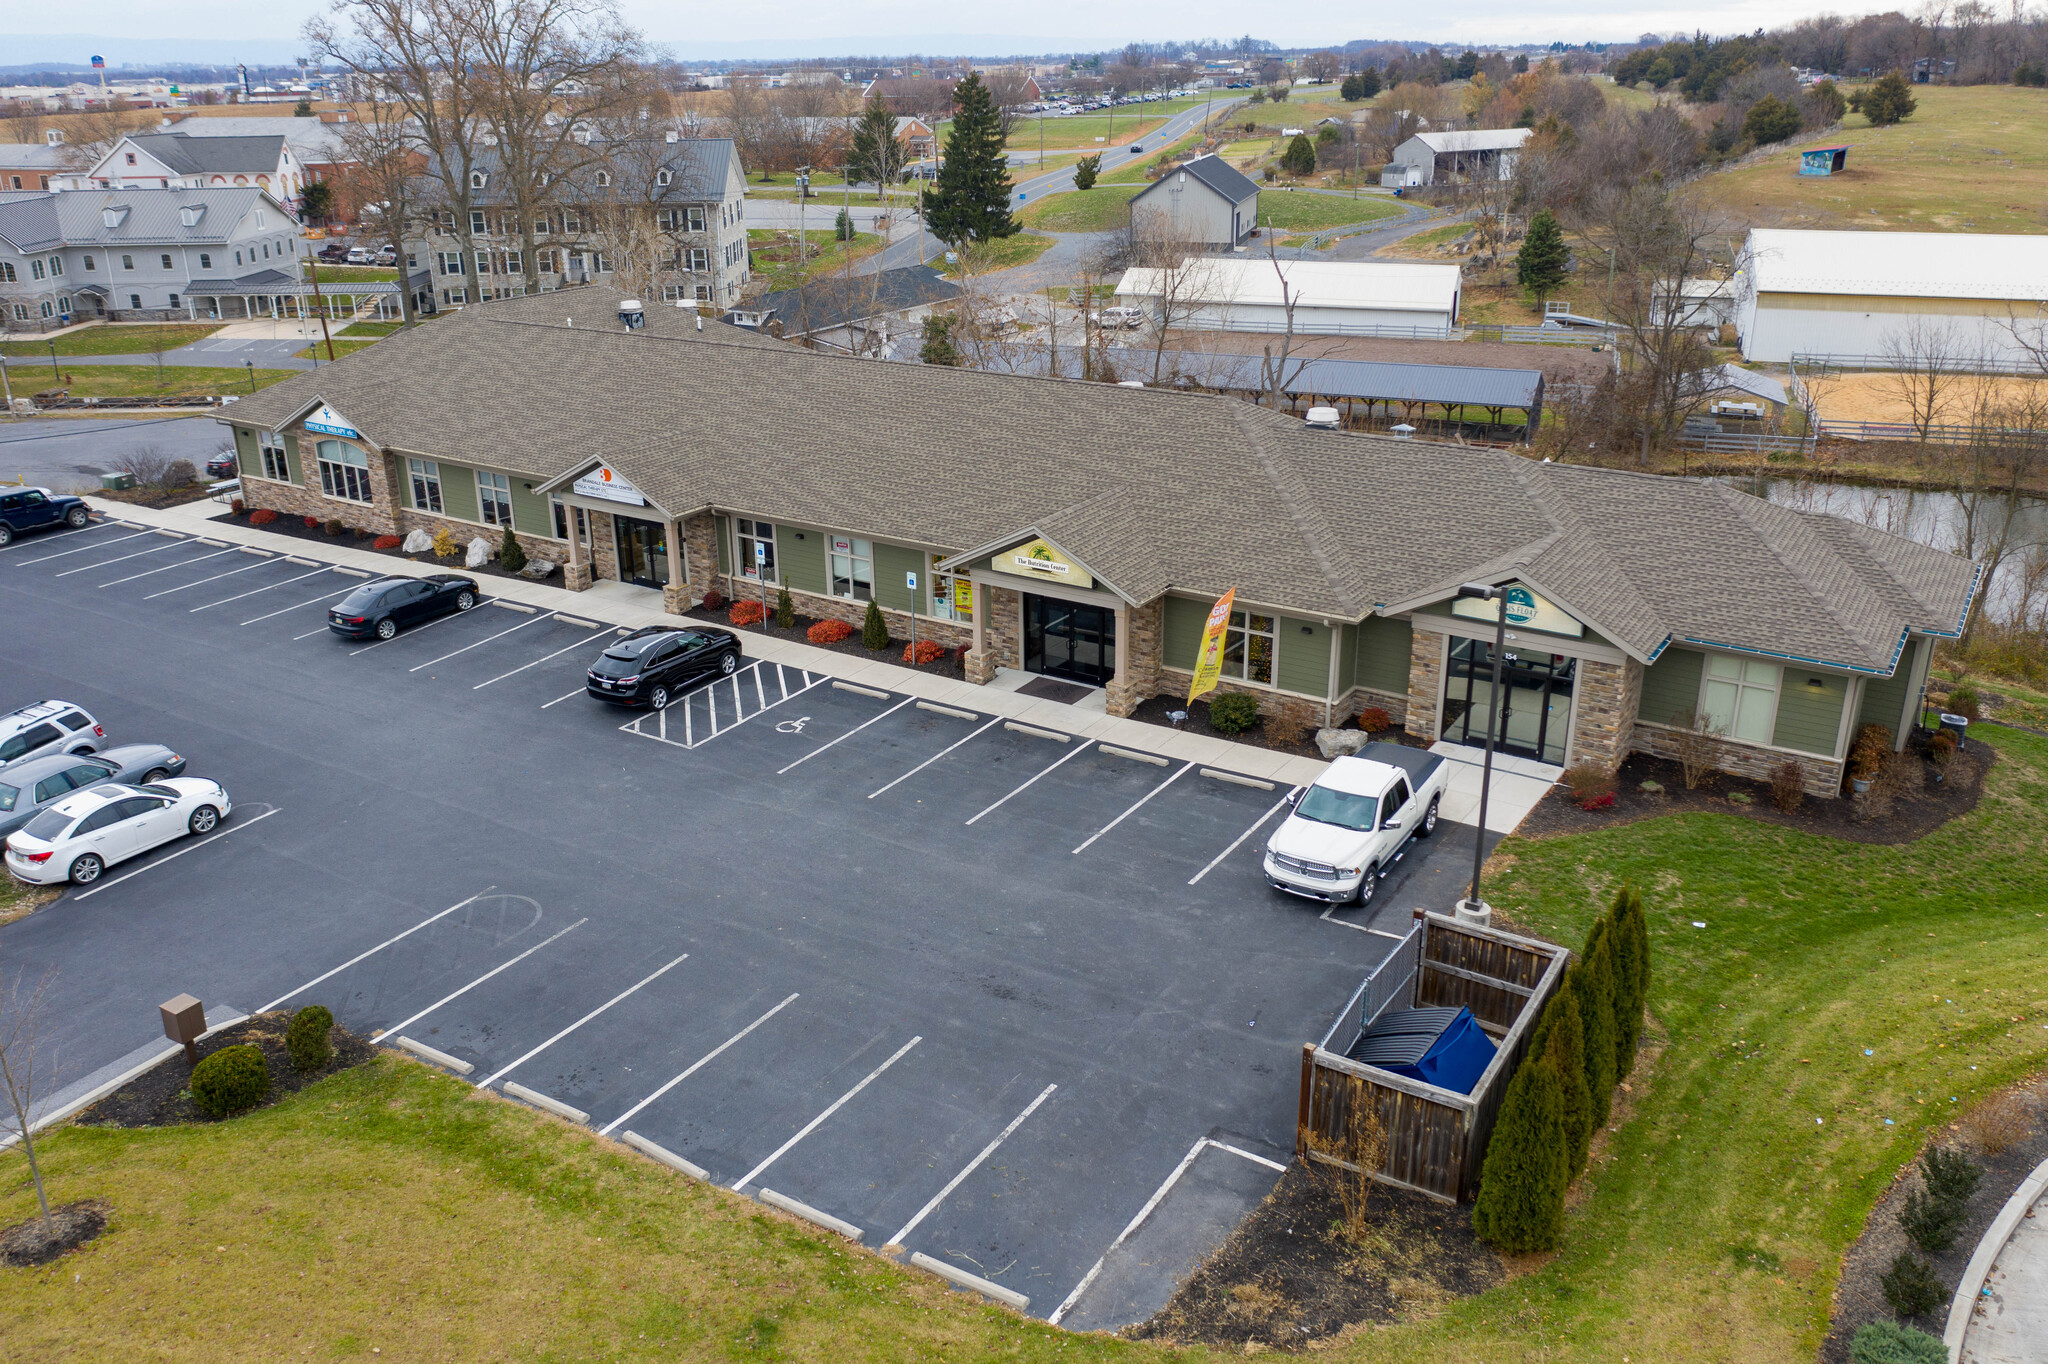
{"points": [[972, 200], [1595, 988], [876, 154], [1540, 266], [1521, 1186], [1564, 1045]]}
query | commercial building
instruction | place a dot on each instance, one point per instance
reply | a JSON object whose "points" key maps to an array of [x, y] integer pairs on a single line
{"points": [[1451, 157], [1865, 295], [686, 458], [1206, 201], [1329, 298], [181, 160]]}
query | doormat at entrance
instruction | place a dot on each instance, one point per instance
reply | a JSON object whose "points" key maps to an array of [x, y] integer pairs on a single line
{"points": [[1052, 689]]}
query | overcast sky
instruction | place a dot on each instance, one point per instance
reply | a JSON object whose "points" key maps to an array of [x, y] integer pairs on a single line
{"points": [[895, 25]]}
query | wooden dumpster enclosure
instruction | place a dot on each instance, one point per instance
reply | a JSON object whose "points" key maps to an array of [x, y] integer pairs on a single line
{"points": [[1436, 1138]]}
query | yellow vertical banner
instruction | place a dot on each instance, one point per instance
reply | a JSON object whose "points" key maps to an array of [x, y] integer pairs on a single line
{"points": [[1209, 659]]}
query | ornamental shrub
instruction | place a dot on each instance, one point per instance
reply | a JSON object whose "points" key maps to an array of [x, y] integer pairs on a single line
{"points": [[785, 610], [1233, 712], [927, 651], [1910, 1286], [1521, 1186], [262, 516], [1300, 156], [1788, 785], [1563, 1039], [1373, 720], [386, 542], [1592, 785], [1931, 1221], [1964, 701], [1595, 987], [1950, 1174], [180, 473], [828, 632], [230, 1080], [237, 507], [1886, 1342], [874, 631], [312, 523], [445, 546], [334, 526], [747, 613], [510, 556], [1631, 977], [713, 599], [306, 1037]]}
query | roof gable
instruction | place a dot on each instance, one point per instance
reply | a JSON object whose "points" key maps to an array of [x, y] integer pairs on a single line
{"points": [[1213, 173]]}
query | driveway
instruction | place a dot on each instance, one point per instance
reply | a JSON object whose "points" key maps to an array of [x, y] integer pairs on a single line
{"points": [[70, 453]]}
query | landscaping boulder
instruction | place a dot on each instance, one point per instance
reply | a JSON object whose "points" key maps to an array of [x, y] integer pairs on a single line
{"points": [[1339, 743], [538, 568], [479, 553], [419, 542]]}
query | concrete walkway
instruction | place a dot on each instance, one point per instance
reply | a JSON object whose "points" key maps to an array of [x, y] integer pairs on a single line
{"points": [[1515, 791], [2000, 1312]]}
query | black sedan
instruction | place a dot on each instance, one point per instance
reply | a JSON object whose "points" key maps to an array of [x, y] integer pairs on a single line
{"points": [[388, 605], [650, 666], [221, 465]]}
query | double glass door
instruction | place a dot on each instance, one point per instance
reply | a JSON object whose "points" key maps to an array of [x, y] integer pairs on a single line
{"points": [[643, 551], [1536, 699], [1069, 639]]}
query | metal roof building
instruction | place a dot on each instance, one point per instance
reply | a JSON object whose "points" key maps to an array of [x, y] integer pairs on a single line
{"points": [[1329, 297]]}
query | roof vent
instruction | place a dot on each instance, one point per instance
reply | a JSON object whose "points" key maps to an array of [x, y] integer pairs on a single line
{"points": [[670, 136], [1131, 383], [631, 315], [1327, 418], [113, 215], [1404, 431], [190, 214]]}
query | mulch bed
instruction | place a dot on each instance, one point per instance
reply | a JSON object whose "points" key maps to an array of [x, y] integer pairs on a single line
{"points": [[27, 1244], [1920, 808], [159, 1096], [1859, 1297], [953, 663], [1155, 711], [295, 528], [155, 497], [1286, 1278]]}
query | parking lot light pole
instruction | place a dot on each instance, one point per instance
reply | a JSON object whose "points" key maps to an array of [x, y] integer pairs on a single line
{"points": [[1472, 909]]}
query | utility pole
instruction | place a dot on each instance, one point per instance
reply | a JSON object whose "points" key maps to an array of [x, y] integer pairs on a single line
{"points": [[320, 305]]}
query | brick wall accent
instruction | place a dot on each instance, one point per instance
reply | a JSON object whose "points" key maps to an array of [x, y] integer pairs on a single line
{"points": [[1607, 697], [604, 546], [1394, 703], [1305, 710], [1425, 682], [700, 554], [1002, 634], [1823, 775], [1143, 647]]}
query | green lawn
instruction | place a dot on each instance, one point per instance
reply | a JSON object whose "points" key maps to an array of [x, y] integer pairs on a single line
{"points": [[1004, 253], [138, 381], [777, 258], [370, 329], [348, 274], [342, 346], [1134, 167], [1305, 212], [1090, 210], [140, 339]]}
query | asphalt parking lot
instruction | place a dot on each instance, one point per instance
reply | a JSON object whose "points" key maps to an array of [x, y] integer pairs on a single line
{"points": [[1000, 995]]}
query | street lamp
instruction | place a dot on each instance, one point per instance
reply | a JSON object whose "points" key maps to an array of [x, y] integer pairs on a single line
{"points": [[1472, 909]]}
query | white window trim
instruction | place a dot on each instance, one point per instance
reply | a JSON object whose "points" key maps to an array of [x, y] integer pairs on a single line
{"points": [[1247, 631], [428, 471], [267, 443], [321, 462], [1777, 691], [852, 558], [742, 552], [482, 487]]}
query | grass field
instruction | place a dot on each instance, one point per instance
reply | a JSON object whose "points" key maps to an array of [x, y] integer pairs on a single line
{"points": [[777, 258], [104, 340], [1133, 169], [1090, 210], [1004, 253], [1304, 212], [342, 346], [349, 274], [140, 381], [1970, 159]]}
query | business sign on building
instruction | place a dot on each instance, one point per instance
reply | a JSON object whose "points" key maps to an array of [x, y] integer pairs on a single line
{"points": [[328, 422], [1525, 609], [602, 482], [1038, 559]]}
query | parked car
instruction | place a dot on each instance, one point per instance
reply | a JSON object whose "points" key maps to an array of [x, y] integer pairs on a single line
{"points": [[222, 465], [385, 256], [1118, 317], [1348, 829], [48, 727], [83, 834], [334, 253], [26, 787], [650, 666], [360, 255], [388, 605], [27, 509]]}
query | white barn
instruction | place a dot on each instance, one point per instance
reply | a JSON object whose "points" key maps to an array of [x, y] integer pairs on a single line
{"points": [[1820, 293], [1330, 297], [1449, 157]]}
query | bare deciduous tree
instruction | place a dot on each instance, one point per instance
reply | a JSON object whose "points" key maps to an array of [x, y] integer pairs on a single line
{"points": [[1929, 367], [1274, 376], [385, 172], [20, 1020]]}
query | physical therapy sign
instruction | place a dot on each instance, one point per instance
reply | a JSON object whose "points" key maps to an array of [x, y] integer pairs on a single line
{"points": [[328, 422], [1526, 611], [602, 483], [1209, 658]]}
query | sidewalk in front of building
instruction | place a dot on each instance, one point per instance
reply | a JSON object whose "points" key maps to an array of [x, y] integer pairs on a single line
{"points": [[2000, 1313], [621, 604]]}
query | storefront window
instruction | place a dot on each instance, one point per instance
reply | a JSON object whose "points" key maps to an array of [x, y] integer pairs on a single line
{"points": [[952, 597], [494, 498], [853, 568], [562, 523], [757, 550], [426, 484], [1740, 697], [1248, 648], [275, 465], [344, 471]]}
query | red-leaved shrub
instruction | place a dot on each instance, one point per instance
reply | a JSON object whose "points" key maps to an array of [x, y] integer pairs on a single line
{"points": [[262, 516], [1373, 720], [1592, 785], [312, 523], [386, 542], [747, 613], [928, 651], [828, 632], [713, 599]]}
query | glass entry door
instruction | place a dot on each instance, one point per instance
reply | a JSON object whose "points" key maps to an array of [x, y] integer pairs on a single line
{"points": [[643, 551], [1069, 639], [1536, 699]]}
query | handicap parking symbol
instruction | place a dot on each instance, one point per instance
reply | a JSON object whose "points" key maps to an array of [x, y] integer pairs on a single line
{"points": [[795, 726]]}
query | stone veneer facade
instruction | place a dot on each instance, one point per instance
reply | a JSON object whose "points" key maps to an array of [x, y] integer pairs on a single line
{"points": [[1755, 761], [1605, 697], [1425, 682], [1002, 631], [1142, 644]]}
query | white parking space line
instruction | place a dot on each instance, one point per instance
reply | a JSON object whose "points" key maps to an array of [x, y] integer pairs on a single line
{"points": [[848, 735], [706, 1059], [1135, 808], [814, 1123], [933, 758], [375, 950], [286, 610], [971, 1166], [68, 534], [61, 554], [579, 644], [258, 591], [120, 558], [399, 1027], [507, 1070], [1214, 861], [1360, 928], [189, 847], [709, 691], [422, 629], [167, 568], [1078, 750], [564, 696], [1146, 1211], [310, 633], [260, 563], [480, 643]]}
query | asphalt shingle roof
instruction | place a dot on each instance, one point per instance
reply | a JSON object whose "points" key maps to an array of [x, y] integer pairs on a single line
{"points": [[37, 220], [195, 155], [1213, 171], [1151, 489]]}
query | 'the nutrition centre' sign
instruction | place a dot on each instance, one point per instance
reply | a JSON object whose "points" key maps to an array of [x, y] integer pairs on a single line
{"points": [[1038, 559], [1525, 610]]}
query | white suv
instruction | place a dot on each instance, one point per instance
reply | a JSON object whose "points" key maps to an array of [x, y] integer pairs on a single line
{"points": [[48, 727]]}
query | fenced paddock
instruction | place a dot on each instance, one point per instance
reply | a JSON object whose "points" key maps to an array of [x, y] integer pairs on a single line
{"points": [[1436, 1137]]}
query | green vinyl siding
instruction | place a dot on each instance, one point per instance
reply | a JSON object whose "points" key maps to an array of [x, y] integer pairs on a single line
{"points": [[1304, 648], [248, 457], [802, 562], [531, 515], [291, 457], [724, 543], [891, 563], [1809, 718], [1185, 618], [458, 491], [1671, 687], [1347, 657], [1383, 646], [1884, 698]]}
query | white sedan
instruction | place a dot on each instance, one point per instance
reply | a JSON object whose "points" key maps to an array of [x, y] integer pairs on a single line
{"points": [[82, 835]]}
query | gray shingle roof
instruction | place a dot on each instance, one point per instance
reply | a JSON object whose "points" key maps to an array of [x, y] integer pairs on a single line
{"points": [[832, 300], [1153, 490], [701, 168], [310, 138], [191, 155], [1213, 171], [36, 221]]}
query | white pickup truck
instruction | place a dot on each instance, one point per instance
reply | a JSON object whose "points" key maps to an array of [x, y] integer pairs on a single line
{"points": [[1354, 823]]}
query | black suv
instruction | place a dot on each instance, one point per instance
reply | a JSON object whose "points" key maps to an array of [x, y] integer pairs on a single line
{"points": [[26, 509], [650, 666], [385, 607]]}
